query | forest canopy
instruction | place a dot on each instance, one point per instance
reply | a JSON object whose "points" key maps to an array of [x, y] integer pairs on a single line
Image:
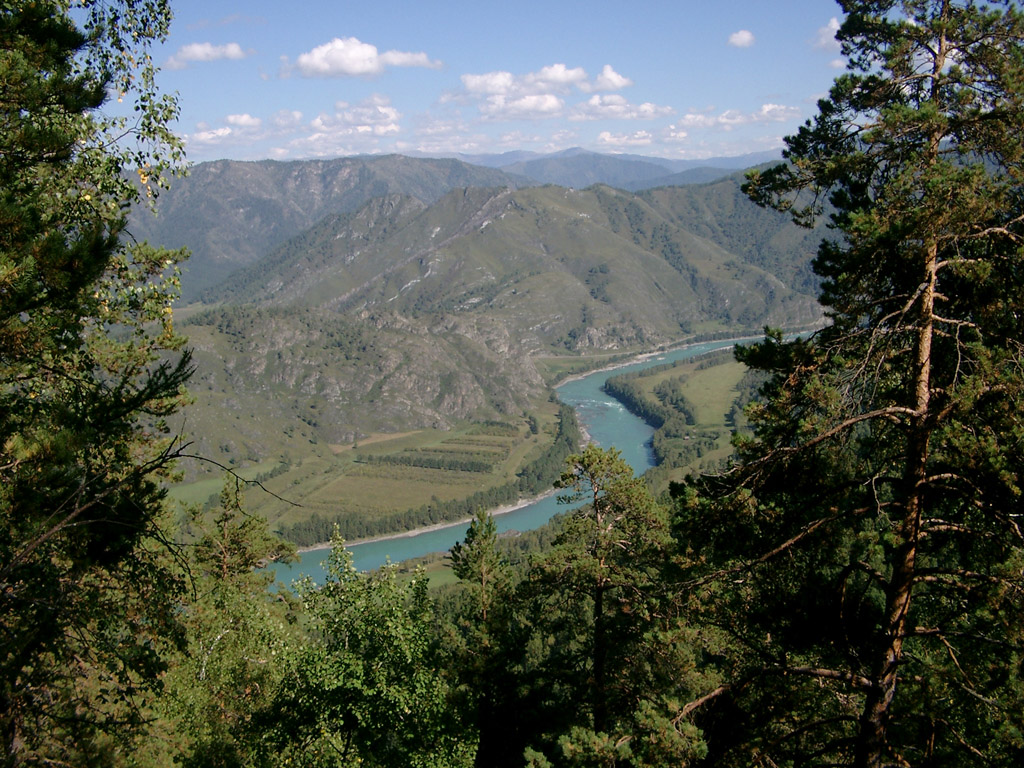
{"points": [[848, 591], [90, 367]]}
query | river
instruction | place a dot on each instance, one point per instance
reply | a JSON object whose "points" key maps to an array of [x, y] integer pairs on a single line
{"points": [[608, 423]]}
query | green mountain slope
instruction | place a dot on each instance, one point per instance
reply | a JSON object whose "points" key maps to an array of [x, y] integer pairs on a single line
{"points": [[561, 269], [404, 316], [232, 213], [720, 212]]}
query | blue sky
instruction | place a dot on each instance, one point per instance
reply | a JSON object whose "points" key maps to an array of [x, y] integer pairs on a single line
{"points": [[681, 79]]}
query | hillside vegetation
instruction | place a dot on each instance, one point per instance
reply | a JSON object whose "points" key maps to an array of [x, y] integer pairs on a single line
{"points": [[403, 315], [230, 214]]}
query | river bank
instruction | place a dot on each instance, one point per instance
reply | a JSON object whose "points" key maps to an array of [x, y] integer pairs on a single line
{"points": [[587, 438], [645, 356], [497, 512], [607, 423]]}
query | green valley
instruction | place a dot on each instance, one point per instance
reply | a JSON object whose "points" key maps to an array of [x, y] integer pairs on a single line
{"points": [[432, 318], [824, 568]]}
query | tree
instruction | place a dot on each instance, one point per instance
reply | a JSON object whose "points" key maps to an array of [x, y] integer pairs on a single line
{"points": [[619, 659], [865, 554], [477, 560], [611, 546], [364, 687], [90, 368], [234, 544], [238, 633], [480, 634]]}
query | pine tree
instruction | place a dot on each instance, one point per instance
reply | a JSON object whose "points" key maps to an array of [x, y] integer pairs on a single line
{"points": [[238, 631], [476, 560], [865, 554], [480, 635], [616, 664]]}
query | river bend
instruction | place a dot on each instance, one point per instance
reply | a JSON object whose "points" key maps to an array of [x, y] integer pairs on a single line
{"points": [[607, 422]]}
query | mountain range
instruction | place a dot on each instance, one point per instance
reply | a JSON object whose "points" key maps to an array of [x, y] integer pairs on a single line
{"points": [[229, 213], [366, 296], [733, 163]]}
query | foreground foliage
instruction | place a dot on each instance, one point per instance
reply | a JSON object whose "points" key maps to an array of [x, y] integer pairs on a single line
{"points": [[865, 554], [365, 686], [849, 593], [236, 633], [85, 380]]}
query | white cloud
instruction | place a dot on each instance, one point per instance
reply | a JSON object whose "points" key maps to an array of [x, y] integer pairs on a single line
{"points": [[444, 136], [211, 136], [285, 120], [675, 133], [615, 107], [530, 106], [637, 139], [609, 80], [518, 140], [826, 37], [506, 96], [427, 126], [245, 121], [406, 59], [742, 39], [490, 83], [355, 128], [733, 118], [205, 52], [697, 120], [775, 113], [246, 129], [557, 77], [374, 116], [350, 56], [563, 137]]}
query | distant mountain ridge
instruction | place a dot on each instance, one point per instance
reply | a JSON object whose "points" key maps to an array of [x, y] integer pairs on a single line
{"points": [[578, 167], [730, 162], [231, 213], [404, 315], [582, 170], [634, 265]]}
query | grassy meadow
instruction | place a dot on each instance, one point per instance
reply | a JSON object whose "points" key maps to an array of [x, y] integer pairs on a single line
{"points": [[381, 474]]}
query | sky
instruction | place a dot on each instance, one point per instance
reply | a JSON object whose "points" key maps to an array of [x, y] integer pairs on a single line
{"points": [[680, 79]]}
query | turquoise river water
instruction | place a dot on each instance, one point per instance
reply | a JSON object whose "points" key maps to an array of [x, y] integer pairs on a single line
{"points": [[605, 419]]}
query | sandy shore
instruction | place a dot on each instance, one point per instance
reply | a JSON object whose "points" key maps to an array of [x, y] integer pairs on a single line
{"points": [[427, 528]]}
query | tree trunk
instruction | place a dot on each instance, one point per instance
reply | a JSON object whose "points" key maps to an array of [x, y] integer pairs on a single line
{"points": [[600, 652], [874, 723]]}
